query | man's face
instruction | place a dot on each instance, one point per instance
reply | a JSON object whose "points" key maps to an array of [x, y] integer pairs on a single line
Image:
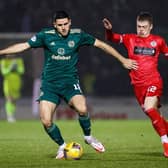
{"points": [[62, 26], [144, 28]]}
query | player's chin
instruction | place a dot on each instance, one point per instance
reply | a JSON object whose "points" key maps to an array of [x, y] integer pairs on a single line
{"points": [[64, 34], [141, 35]]}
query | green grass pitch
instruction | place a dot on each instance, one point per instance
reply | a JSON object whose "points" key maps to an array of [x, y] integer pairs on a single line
{"points": [[129, 144]]}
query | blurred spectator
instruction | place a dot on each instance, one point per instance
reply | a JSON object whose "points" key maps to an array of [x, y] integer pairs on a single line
{"points": [[11, 68]]}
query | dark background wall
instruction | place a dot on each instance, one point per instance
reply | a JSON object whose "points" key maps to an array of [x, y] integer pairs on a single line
{"points": [[101, 75]]}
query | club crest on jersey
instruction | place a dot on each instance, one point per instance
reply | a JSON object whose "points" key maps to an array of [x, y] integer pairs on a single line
{"points": [[61, 51], [33, 38], [71, 43], [153, 43]]}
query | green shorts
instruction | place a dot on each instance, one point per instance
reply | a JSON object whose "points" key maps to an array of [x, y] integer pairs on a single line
{"points": [[55, 92]]}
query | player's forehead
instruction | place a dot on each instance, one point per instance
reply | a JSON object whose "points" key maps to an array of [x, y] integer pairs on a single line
{"points": [[62, 21], [143, 23]]}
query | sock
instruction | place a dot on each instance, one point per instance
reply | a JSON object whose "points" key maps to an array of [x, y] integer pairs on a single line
{"points": [[164, 139], [85, 124], [87, 137], [10, 108], [62, 146], [157, 121], [55, 134], [166, 125]]}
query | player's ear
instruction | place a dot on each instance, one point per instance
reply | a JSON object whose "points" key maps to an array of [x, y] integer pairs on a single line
{"points": [[54, 24], [151, 27], [70, 22]]}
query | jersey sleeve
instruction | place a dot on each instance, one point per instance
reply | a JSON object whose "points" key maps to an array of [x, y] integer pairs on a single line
{"points": [[115, 37], [87, 39], [20, 67], [164, 48], [36, 40], [4, 69]]}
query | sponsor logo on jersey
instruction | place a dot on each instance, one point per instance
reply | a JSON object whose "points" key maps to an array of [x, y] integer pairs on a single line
{"points": [[59, 57], [71, 43], [61, 51], [144, 51]]}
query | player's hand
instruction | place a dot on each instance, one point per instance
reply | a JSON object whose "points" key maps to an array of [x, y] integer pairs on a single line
{"points": [[130, 64], [107, 24]]}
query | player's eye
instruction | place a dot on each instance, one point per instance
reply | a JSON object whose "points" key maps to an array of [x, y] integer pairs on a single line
{"points": [[143, 26], [63, 24]]}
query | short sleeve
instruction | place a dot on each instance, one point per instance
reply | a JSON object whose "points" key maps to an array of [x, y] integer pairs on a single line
{"points": [[87, 39], [36, 40]]}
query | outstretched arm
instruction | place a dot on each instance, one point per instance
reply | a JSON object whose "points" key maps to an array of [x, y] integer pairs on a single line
{"points": [[16, 48], [109, 34], [127, 63]]}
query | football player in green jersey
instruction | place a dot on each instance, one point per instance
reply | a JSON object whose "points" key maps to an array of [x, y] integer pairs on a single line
{"points": [[59, 77]]}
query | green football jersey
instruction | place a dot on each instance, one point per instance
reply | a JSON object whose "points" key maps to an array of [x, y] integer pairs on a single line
{"points": [[61, 53]]}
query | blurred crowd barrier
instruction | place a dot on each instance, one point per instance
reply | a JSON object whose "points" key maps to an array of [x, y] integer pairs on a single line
{"points": [[99, 108]]}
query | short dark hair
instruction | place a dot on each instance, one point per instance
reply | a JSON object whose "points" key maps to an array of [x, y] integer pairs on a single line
{"points": [[60, 15], [145, 16]]}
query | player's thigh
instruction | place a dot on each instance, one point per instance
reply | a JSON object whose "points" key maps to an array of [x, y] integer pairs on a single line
{"points": [[151, 102], [73, 96], [6, 88], [78, 102], [140, 92], [49, 93], [47, 110], [16, 91], [12, 88], [152, 99], [49, 100], [72, 88]]}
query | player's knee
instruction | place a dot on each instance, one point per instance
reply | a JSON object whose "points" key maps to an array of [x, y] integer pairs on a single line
{"points": [[82, 110], [46, 123]]}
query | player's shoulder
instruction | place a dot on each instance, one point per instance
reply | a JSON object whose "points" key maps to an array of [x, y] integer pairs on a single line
{"points": [[75, 31], [48, 31], [155, 36], [129, 35]]}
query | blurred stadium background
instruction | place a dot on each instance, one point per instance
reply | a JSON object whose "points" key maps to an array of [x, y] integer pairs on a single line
{"points": [[104, 81]]}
